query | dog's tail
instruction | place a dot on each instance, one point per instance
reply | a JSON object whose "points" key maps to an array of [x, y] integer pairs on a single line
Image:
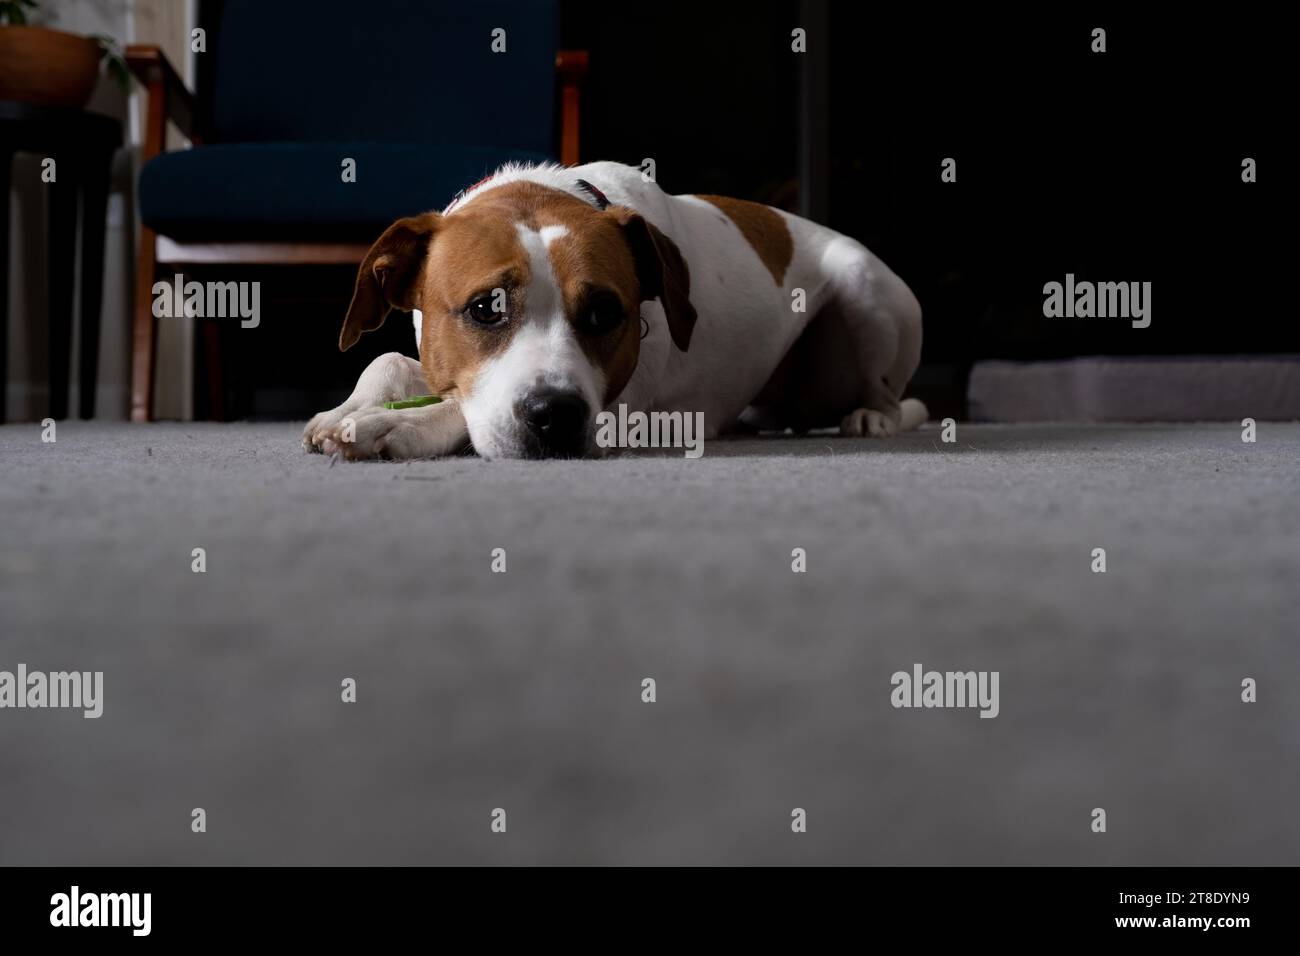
{"points": [[913, 414]]}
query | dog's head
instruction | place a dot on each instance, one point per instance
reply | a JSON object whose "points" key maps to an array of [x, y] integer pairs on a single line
{"points": [[531, 309]]}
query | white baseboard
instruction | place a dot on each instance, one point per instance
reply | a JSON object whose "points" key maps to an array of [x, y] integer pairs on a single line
{"points": [[1191, 388]]}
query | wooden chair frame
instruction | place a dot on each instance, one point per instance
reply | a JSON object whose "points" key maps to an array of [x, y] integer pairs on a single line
{"points": [[169, 99]]}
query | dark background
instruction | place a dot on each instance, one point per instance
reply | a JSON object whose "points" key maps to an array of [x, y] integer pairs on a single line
{"points": [[1121, 166]]}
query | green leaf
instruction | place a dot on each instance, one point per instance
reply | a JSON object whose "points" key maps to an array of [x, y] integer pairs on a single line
{"points": [[118, 70]]}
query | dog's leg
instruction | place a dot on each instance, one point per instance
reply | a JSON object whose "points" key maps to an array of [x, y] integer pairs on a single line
{"points": [[883, 321], [389, 378], [429, 431]]}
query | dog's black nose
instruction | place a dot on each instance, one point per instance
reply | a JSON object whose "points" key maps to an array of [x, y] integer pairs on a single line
{"points": [[557, 421]]}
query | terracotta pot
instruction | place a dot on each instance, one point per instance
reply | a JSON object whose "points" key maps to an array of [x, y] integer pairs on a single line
{"points": [[47, 67]]}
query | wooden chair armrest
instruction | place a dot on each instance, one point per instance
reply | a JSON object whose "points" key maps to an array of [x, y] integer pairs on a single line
{"points": [[169, 98], [571, 67]]}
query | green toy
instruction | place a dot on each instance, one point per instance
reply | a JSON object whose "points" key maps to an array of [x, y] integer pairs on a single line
{"points": [[417, 402]]}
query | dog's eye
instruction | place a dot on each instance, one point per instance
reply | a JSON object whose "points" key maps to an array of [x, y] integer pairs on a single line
{"points": [[485, 310], [603, 316]]}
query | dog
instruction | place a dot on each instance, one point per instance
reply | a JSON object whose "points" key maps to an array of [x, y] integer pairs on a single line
{"points": [[544, 294]]}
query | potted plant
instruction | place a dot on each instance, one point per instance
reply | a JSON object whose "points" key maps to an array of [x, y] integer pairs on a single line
{"points": [[50, 67]]}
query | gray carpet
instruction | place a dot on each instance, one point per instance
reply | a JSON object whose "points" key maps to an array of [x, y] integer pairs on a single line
{"points": [[523, 690]]}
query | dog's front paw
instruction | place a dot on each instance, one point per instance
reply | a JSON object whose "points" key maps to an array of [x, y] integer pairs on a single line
{"points": [[360, 435], [313, 436], [397, 434], [868, 421]]}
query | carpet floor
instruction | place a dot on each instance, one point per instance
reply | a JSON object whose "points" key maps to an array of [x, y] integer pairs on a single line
{"points": [[523, 690]]}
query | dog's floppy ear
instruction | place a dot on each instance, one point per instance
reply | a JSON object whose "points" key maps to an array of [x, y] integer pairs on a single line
{"points": [[389, 275], [661, 272]]}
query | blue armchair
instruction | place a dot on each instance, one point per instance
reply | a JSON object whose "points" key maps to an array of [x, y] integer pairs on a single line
{"points": [[419, 94]]}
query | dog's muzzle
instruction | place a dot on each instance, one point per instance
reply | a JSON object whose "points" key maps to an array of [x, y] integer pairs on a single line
{"points": [[556, 423]]}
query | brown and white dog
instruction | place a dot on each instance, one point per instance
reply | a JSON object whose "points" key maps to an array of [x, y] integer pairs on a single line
{"points": [[543, 295]]}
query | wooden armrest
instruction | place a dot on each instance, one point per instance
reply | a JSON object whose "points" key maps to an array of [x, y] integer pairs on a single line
{"points": [[571, 64], [169, 98], [571, 67]]}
